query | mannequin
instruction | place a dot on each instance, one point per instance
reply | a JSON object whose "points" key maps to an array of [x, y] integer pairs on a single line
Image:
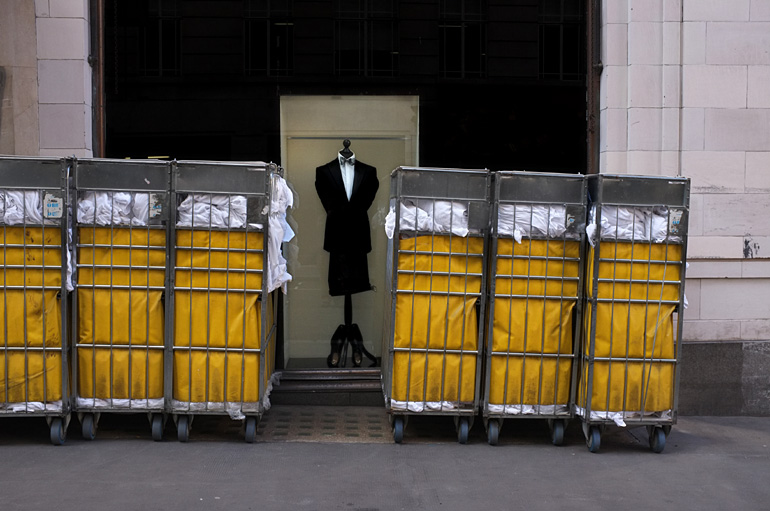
{"points": [[347, 189]]}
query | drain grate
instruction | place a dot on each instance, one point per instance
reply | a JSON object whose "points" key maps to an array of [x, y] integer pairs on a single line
{"points": [[343, 424]]}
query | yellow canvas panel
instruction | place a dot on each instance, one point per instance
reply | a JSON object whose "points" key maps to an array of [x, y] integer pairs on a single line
{"points": [[532, 325], [106, 374], [118, 316], [35, 246], [465, 259], [39, 314], [530, 380], [37, 311], [216, 376], [641, 262], [233, 258], [121, 316], [647, 387], [217, 319], [537, 258], [633, 330], [34, 377], [436, 321], [437, 377]]}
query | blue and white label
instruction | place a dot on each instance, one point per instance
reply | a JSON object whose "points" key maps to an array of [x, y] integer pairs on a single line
{"points": [[53, 206]]}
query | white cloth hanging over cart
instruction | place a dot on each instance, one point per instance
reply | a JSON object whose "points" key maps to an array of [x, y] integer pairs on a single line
{"points": [[430, 216], [632, 224], [280, 231], [114, 208], [211, 210], [526, 221]]}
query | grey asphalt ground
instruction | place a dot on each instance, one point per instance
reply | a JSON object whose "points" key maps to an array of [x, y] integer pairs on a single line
{"points": [[720, 463]]}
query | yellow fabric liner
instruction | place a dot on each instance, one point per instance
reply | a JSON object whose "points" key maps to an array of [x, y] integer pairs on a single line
{"points": [[39, 310], [435, 320], [219, 319], [234, 258], [36, 377], [120, 316], [553, 390], [216, 318], [42, 378], [649, 387], [146, 373], [633, 330], [241, 367], [442, 368], [533, 325]]}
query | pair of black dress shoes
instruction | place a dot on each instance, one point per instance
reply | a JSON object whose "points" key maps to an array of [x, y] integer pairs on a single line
{"points": [[352, 334]]}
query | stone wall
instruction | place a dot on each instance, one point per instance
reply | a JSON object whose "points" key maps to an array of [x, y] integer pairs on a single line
{"points": [[45, 78]]}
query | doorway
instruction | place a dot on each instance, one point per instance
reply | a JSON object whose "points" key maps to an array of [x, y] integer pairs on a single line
{"points": [[383, 131]]}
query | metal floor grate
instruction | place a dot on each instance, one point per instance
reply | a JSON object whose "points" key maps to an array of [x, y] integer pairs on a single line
{"points": [[337, 424]]}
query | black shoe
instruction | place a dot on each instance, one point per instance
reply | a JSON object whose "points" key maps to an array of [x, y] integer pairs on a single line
{"points": [[338, 339], [356, 342]]}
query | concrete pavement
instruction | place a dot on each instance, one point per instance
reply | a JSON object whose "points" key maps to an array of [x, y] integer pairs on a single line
{"points": [[708, 463]]}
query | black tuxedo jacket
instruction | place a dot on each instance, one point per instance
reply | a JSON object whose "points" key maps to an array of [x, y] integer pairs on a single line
{"points": [[347, 222]]}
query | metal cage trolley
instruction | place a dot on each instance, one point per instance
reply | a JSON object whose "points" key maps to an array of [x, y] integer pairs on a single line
{"points": [[438, 229], [222, 318], [635, 274], [121, 235], [534, 308], [34, 371]]}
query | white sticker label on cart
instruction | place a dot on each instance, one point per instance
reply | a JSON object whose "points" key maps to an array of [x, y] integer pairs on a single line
{"points": [[156, 205], [53, 206]]}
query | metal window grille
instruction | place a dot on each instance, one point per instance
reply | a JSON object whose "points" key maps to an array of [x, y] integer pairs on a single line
{"points": [[269, 37], [562, 40], [366, 38], [463, 39]]}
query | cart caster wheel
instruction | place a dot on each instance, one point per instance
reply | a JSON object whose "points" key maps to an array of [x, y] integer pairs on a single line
{"points": [[251, 430], [493, 431], [462, 430], [398, 429], [594, 439], [657, 440], [557, 432], [183, 428], [88, 427], [157, 427], [58, 433]]}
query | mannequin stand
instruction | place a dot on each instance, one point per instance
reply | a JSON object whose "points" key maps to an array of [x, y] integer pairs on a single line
{"points": [[348, 334]]}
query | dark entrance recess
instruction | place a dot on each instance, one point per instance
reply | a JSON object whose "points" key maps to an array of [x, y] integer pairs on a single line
{"points": [[502, 83]]}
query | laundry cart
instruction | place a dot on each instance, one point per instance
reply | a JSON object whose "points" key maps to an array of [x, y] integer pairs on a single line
{"points": [[118, 311], [534, 300], [635, 271], [438, 228], [222, 318], [34, 373]]}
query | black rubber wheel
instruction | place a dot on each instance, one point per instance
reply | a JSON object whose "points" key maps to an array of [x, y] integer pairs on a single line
{"points": [[594, 439], [463, 427], [251, 430], [493, 431], [398, 429], [183, 428], [88, 426], [557, 432], [657, 440], [157, 427], [58, 433]]}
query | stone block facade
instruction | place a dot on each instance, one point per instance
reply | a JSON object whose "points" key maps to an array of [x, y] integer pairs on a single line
{"points": [[686, 91]]}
